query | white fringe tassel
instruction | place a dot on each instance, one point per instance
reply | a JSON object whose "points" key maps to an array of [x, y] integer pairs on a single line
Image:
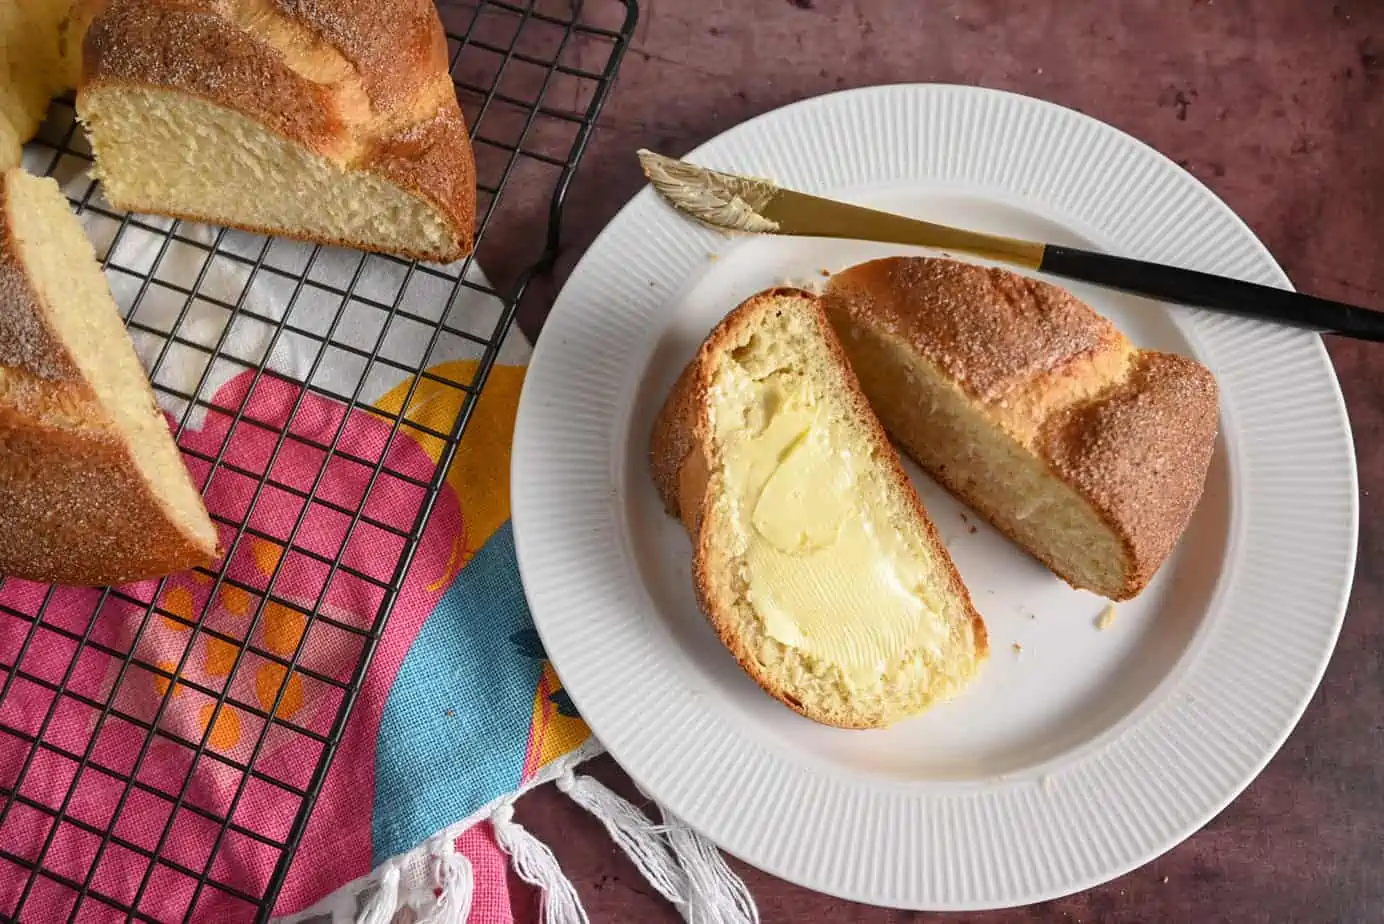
{"points": [[682, 865], [686, 869], [637, 835], [716, 895], [385, 902], [537, 866], [456, 882]]}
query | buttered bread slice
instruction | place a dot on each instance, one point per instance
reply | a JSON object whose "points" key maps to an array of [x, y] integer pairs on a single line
{"points": [[813, 558], [1034, 410]]}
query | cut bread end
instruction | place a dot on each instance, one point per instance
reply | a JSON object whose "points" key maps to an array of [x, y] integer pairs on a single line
{"points": [[813, 557], [166, 152], [93, 489], [1033, 410]]}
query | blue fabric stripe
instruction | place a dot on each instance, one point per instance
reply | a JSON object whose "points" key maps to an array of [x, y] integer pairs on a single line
{"points": [[456, 726]]}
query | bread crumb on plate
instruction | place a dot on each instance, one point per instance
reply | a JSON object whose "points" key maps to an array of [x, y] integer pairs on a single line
{"points": [[1106, 619]]}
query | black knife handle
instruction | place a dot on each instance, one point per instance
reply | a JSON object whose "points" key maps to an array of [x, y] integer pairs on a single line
{"points": [[1218, 293]]}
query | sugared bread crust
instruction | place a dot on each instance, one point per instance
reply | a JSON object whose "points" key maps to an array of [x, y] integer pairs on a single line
{"points": [[1034, 410], [333, 121], [92, 488]]}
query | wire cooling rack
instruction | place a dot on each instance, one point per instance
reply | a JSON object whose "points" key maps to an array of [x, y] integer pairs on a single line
{"points": [[86, 833]]}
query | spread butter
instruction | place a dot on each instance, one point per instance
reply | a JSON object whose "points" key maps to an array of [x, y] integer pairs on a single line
{"points": [[827, 573]]}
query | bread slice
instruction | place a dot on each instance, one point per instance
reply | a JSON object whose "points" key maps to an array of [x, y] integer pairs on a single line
{"points": [[334, 121], [72, 27], [92, 487], [1034, 410], [44, 19], [24, 86], [31, 68], [813, 558], [11, 148]]}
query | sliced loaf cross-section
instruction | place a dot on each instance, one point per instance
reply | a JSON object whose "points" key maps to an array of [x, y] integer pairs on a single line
{"points": [[334, 121]]}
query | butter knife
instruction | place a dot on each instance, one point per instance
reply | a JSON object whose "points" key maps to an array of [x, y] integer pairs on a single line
{"points": [[758, 206]]}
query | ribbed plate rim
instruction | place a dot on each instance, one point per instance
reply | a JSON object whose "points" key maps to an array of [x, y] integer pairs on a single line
{"points": [[950, 849]]}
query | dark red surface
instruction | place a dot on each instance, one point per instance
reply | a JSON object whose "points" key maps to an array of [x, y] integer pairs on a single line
{"points": [[1278, 106]]}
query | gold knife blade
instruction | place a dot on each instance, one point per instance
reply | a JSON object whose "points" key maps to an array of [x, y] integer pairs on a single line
{"points": [[752, 205]]}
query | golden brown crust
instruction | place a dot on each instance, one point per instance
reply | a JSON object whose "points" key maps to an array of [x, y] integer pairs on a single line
{"points": [[991, 330], [71, 32], [433, 159], [1130, 431], [73, 506], [682, 456], [25, 342], [1139, 453], [11, 149], [187, 46], [679, 432], [391, 44], [73, 509], [364, 83], [28, 50]]}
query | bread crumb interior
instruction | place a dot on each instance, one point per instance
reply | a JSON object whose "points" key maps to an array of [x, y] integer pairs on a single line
{"points": [[948, 432], [166, 152]]}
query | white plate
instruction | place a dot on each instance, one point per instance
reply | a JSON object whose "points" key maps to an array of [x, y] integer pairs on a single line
{"points": [[1068, 763]]}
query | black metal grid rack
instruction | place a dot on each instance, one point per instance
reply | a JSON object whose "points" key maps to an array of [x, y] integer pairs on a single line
{"points": [[84, 831]]}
